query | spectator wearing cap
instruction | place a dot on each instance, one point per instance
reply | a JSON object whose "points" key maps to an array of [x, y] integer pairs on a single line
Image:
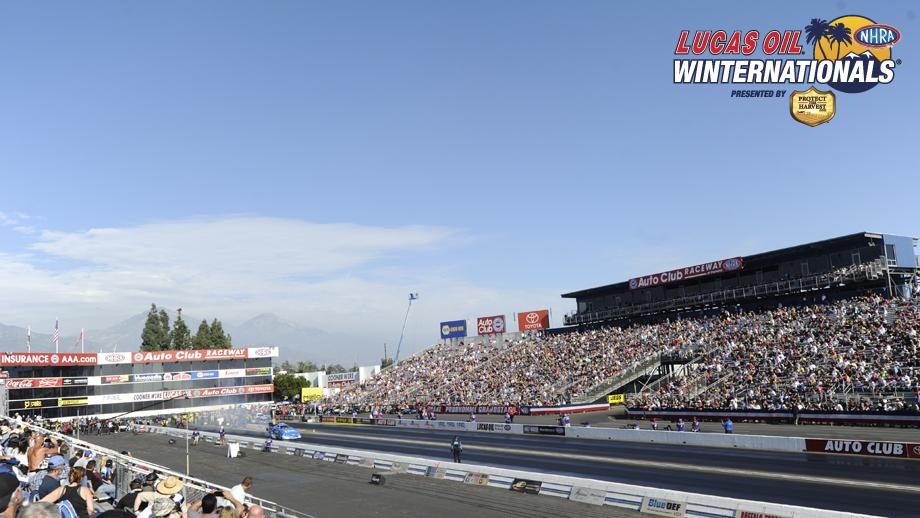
{"points": [[10, 495], [168, 487], [163, 507], [80, 497], [52, 480]]}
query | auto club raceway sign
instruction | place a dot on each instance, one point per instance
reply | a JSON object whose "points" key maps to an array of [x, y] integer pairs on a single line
{"points": [[905, 450]]}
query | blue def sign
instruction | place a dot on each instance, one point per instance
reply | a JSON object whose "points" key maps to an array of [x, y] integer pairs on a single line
{"points": [[454, 329]]}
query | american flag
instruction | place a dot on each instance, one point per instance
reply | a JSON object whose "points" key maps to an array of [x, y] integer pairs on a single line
{"points": [[56, 334], [79, 340]]}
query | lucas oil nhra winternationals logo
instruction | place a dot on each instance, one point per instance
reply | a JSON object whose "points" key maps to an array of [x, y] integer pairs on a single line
{"points": [[849, 54]]}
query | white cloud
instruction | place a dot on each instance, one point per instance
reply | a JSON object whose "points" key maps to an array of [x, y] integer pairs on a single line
{"points": [[338, 277]]}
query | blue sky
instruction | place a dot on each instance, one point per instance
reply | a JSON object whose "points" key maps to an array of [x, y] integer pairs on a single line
{"points": [[493, 154]]}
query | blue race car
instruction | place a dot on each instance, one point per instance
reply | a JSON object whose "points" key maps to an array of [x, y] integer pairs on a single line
{"points": [[283, 431]]}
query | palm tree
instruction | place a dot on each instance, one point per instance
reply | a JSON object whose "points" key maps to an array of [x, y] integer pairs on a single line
{"points": [[816, 31], [838, 34]]}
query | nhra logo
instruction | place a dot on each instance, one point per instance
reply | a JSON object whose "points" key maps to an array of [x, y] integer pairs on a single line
{"points": [[115, 357], [732, 264], [859, 45]]}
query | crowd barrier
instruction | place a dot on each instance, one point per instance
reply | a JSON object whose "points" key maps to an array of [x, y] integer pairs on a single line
{"points": [[597, 492]]}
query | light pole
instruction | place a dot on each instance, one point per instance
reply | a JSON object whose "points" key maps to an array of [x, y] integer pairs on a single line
{"points": [[412, 296], [186, 444]]}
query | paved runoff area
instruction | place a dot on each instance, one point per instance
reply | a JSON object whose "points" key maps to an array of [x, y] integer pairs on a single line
{"points": [[325, 489]]}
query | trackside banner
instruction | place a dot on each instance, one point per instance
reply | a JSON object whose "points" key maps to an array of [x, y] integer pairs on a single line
{"points": [[870, 448]]}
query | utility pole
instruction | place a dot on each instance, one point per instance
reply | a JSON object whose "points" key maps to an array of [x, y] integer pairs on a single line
{"points": [[412, 296]]}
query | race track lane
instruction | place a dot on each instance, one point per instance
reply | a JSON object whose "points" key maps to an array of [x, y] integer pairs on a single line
{"points": [[873, 486]]}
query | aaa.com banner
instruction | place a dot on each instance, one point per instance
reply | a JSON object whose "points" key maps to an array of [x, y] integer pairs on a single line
{"points": [[47, 359], [690, 272], [533, 320], [490, 325], [453, 329]]}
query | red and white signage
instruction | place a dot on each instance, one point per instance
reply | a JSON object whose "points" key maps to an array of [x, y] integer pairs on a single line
{"points": [[48, 359], [31, 383], [189, 356], [533, 320], [490, 325], [690, 272], [341, 378], [870, 448]]}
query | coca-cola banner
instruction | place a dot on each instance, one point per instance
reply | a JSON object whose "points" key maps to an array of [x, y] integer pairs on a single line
{"points": [[533, 320], [690, 272], [33, 359], [31, 383], [490, 325]]}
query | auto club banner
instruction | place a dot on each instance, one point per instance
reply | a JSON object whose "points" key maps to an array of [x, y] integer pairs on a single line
{"points": [[490, 325], [533, 320], [690, 272], [453, 329]]}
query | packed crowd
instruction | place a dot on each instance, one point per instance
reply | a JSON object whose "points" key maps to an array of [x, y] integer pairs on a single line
{"points": [[41, 477], [859, 354]]}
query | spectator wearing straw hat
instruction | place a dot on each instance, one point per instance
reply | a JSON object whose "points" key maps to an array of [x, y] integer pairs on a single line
{"points": [[168, 487]]}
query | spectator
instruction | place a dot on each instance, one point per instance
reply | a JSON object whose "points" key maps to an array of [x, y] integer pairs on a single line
{"points": [[40, 510], [127, 501], [167, 487], [728, 425], [80, 497], [10, 496], [52, 479], [241, 491]]}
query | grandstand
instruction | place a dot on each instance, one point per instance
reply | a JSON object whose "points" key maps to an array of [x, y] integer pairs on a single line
{"points": [[758, 335]]}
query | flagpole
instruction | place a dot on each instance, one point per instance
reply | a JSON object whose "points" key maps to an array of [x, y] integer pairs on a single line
{"points": [[82, 341], [29, 339]]}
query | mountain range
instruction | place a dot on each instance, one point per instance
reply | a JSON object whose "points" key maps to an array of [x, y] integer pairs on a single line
{"points": [[296, 342]]}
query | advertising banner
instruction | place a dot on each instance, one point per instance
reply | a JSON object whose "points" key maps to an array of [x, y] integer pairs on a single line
{"points": [[544, 429], [118, 378], [73, 401], [147, 377], [871, 448], [533, 320], [232, 373], [262, 352], [341, 378], [496, 427], [311, 394], [113, 358], [177, 376], [490, 325], [663, 507], [204, 375], [690, 272], [30, 383], [36, 359], [70, 382], [259, 371], [616, 399], [521, 485], [758, 514], [453, 329], [195, 356]]}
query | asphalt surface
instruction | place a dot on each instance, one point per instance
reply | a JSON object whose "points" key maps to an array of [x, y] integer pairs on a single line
{"points": [[889, 487], [325, 489]]}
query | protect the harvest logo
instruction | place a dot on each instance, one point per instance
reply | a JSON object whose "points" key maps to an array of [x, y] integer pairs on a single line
{"points": [[848, 54]]}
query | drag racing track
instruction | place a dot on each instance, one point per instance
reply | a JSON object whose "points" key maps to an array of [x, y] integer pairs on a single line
{"points": [[889, 487]]}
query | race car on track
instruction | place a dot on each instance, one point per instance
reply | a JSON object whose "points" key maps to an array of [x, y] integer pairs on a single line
{"points": [[283, 431]]}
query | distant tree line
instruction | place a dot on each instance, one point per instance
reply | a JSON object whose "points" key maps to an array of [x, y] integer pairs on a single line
{"points": [[333, 368], [158, 336]]}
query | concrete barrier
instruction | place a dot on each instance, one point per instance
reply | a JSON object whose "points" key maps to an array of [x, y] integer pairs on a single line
{"points": [[748, 442], [621, 495]]}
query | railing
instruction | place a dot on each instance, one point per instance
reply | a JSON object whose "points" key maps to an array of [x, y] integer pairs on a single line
{"points": [[869, 271], [127, 468], [620, 379]]}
